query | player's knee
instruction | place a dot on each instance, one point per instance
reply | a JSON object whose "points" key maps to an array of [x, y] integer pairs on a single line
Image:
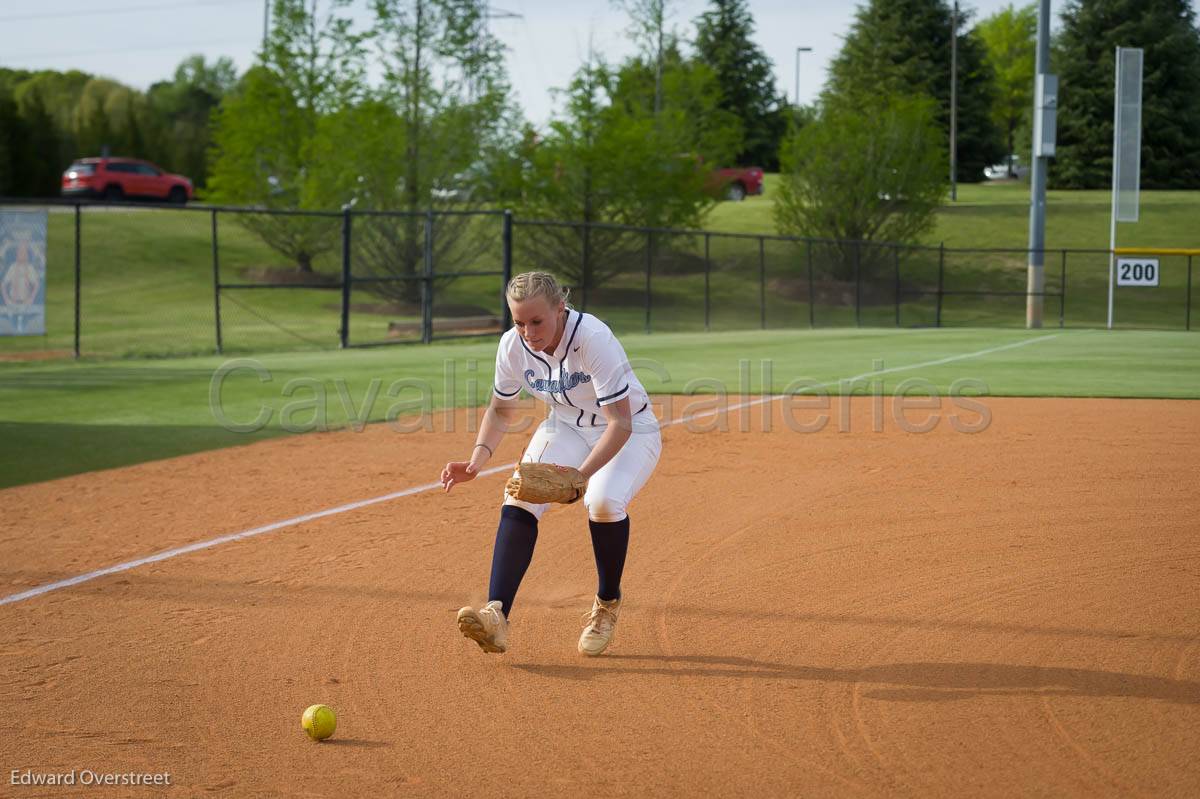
{"points": [[536, 510], [605, 509]]}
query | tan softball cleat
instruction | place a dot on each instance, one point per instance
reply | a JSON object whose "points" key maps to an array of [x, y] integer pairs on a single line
{"points": [[601, 623], [486, 626]]}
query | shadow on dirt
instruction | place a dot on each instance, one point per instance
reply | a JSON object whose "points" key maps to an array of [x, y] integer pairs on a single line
{"points": [[905, 682]]}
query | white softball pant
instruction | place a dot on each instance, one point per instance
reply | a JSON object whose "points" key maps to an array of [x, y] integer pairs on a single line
{"points": [[611, 489]]}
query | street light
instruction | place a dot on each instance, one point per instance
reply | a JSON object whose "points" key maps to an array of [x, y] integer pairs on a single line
{"points": [[799, 50]]}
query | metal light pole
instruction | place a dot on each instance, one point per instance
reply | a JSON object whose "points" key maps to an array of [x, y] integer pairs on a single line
{"points": [[1045, 103], [799, 50]]}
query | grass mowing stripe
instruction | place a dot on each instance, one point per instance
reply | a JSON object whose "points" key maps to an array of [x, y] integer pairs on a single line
{"points": [[60, 419]]}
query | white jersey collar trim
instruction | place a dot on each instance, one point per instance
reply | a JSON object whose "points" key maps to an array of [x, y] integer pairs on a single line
{"points": [[570, 327]]}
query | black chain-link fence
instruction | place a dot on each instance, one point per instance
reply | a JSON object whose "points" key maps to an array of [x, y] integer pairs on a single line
{"points": [[128, 280]]}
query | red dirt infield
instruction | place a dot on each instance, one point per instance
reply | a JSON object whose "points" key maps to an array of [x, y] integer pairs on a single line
{"points": [[838, 613]]}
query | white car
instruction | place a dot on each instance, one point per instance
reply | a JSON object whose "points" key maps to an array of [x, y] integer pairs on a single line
{"points": [[1000, 171]]}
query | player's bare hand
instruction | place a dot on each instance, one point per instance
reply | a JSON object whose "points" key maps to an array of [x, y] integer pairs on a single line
{"points": [[457, 472]]}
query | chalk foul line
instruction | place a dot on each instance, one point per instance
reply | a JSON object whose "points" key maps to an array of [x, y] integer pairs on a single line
{"points": [[408, 492]]}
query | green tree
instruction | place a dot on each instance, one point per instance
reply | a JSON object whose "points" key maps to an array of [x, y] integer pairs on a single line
{"points": [[444, 101], [1084, 58], [260, 145], [724, 42], [263, 132], [93, 125], [180, 108], [57, 93], [45, 165], [11, 78], [687, 88], [29, 165], [607, 158], [649, 30], [868, 173], [72, 114], [113, 116], [1010, 36], [445, 80], [216, 79], [12, 134], [902, 47]]}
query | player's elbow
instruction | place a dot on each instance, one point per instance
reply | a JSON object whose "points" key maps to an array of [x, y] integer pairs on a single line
{"points": [[620, 422], [508, 410]]}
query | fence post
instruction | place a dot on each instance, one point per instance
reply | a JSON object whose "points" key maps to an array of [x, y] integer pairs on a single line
{"points": [[78, 278], [344, 333], [1062, 293], [1187, 318], [762, 282], [587, 262], [858, 284], [507, 266], [812, 299], [649, 258], [216, 282], [707, 280], [896, 266], [427, 284], [941, 283]]}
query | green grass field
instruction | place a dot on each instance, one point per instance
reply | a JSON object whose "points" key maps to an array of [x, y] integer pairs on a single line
{"points": [[996, 214], [62, 418], [148, 277]]}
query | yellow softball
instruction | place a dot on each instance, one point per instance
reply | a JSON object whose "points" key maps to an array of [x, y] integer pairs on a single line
{"points": [[319, 721]]}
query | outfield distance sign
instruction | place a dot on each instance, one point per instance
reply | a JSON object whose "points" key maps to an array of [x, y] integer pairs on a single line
{"points": [[1137, 271]]}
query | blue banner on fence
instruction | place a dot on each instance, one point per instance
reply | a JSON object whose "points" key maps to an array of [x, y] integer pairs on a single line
{"points": [[22, 273]]}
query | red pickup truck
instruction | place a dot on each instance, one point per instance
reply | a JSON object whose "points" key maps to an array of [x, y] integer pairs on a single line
{"points": [[734, 183]]}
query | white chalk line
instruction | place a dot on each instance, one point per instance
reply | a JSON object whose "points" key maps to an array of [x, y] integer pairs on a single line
{"points": [[225, 539]]}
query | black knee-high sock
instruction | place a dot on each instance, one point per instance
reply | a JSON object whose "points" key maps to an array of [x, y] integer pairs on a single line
{"points": [[515, 538], [610, 542]]}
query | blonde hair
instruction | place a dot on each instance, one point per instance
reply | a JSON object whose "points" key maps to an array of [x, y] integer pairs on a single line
{"points": [[537, 284]]}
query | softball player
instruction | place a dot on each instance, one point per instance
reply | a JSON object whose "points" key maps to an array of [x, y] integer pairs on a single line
{"points": [[600, 422]]}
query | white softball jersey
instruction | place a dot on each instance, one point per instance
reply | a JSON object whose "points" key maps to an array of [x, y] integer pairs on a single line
{"points": [[586, 371]]}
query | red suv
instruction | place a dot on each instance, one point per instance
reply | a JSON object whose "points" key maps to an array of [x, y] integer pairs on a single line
{"points": [[123, 178], [734, 183]]}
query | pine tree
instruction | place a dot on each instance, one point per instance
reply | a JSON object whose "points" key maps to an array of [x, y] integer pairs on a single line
{"points": [[1084, 59], [723, 41], [902, 47]]}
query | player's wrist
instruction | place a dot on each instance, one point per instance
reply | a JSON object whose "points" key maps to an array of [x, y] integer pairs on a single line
{"points": [[480, 454]]}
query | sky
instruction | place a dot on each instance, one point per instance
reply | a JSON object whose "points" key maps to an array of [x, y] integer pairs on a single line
{"points": [[139, 42]]}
